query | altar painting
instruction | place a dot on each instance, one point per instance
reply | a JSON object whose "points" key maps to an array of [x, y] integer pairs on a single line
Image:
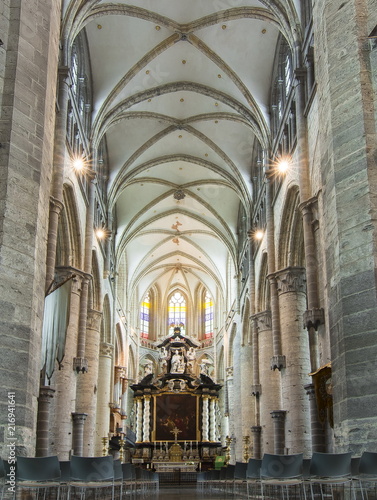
{"points": [[178, 411]]}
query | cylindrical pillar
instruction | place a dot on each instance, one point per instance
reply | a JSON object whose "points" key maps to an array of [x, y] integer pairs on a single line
{"points": [[292, 300], [78, 420], [43, 421], [278, 418], [87, 386], [66, 379], [104, 384], [317, 431], [270, 391], [256, 432]]}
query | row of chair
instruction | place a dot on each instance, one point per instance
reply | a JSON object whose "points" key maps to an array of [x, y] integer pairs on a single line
{"points": [[71, 479], [325, 475]]}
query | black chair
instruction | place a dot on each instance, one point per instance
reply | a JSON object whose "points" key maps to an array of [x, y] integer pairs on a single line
{"points": [[367, 474], [40, 473], [129, 478], [239, 482], [91, 473], [331, 472], [118, 476], [281, 473], [253, 477], [65, 468]]}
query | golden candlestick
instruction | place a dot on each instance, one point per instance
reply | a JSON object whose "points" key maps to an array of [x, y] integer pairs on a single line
{"points": [[246, 440], [122, 442], [105, 446]]}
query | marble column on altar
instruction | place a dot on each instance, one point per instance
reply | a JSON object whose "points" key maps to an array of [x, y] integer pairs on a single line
{"points": [[146, 419], [139, 419], [205, 419]]}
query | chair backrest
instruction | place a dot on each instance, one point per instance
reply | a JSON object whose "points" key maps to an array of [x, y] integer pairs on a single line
{"points": [[240, 470], [368, 463], [330, 464], [281, 466], [65, 469], [127, 472], [38, 469], [253, 468], [92, 469], [118, 471], [229, 471]]}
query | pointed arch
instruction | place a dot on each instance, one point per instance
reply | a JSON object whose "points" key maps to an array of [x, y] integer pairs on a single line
{"points": [[291, 242]]}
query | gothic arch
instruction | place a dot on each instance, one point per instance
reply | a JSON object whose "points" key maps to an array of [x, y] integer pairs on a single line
{"points": [[69, 248], [291, 246]]}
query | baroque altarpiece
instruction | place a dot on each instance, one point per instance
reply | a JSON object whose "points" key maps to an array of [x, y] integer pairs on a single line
{"points": [[177, 413]]}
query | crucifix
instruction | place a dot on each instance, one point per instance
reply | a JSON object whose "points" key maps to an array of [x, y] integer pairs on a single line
{"points": [[175, 431]]}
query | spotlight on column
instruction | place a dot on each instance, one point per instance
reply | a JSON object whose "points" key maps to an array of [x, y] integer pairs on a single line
{"points": [[102, 233], [283, 165], [258, 234]]}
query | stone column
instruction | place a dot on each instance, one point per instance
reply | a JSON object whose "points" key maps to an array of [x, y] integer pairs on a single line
{"points": [[205, 417], [124, 397], [278, 418], [270, 381], [147, 419], [256, 431], [277, 359], [86, 392], [43, 421], [104, 384], [78, 433], [292, 299], [66, 379], [139, 419], [317, 431]]}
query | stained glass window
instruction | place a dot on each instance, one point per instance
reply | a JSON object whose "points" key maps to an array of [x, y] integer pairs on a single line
{"points": [[144, 317], [177, 312], [208, 316]]}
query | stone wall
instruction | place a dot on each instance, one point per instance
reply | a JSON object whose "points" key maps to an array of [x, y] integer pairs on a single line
{"points": [[347, 141], [30, 32]]}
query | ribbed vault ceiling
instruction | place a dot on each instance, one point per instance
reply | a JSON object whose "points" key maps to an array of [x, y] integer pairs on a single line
{"points": [[181, 92]]}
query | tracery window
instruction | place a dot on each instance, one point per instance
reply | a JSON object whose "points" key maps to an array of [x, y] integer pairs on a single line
{"points": [[145, 316], [177, 312]]}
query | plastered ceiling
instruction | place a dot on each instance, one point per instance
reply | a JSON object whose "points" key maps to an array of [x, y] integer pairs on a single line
{"points": [[181, 91]]}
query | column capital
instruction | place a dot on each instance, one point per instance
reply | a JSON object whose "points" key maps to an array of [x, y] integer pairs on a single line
{"points": [[314, 317], [263, 320], [278, 362], [106, 349], [46, 393], [310, 390], [80, 365], [56, 205], [278, 414], [229, 372], [94, 318], [256, 390], [256, 429], [79, 417], [291, 279]]}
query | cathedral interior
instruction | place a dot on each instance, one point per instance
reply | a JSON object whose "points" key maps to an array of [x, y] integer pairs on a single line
{"points": [[188, 228]]}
